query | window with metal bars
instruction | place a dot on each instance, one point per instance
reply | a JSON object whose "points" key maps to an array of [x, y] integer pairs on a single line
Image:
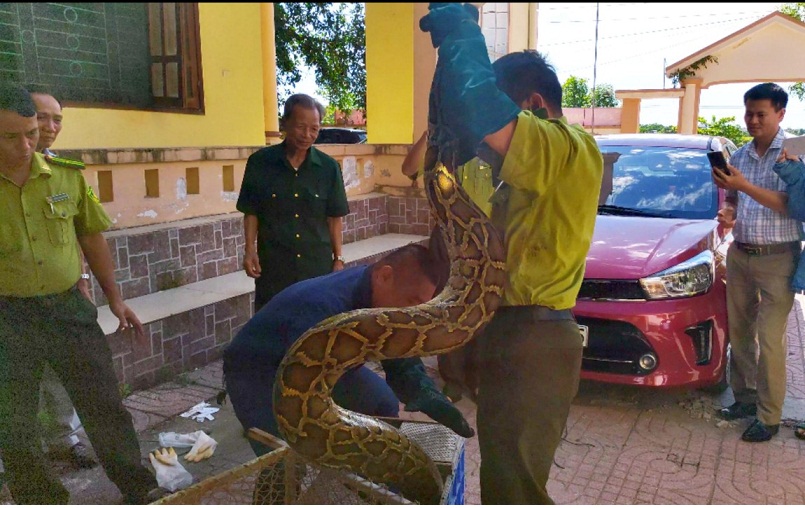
{"points": [[114, 55]]}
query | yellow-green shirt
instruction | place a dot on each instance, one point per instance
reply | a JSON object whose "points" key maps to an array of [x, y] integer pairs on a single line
{"points": [[475, 177], [555, 171], [39, 250]]}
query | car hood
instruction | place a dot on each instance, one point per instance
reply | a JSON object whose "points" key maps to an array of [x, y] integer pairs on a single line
{"points": [[634, 247]]}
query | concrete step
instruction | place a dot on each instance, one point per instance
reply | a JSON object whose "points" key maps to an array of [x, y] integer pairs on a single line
{"points": [[156, 306]]}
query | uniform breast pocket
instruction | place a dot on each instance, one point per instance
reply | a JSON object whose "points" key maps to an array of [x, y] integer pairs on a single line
{"points": [[315, 201], [59, 221]]}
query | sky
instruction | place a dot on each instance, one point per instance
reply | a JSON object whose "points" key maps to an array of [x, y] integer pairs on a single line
{"points": [[636, 41]]}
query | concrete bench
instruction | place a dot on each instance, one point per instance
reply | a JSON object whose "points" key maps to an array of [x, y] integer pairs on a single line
{"points": [[191, 324]]}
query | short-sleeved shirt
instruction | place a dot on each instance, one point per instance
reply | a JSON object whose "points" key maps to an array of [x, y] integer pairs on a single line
{"points": [[39, 250], [755, 223], [555, 171], [292, 207]]}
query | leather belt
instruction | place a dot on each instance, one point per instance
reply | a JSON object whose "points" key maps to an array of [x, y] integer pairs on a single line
{"points": [[538, 312], [765, 250]]}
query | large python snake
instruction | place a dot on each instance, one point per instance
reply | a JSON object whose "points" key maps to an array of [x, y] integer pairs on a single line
{"points": [[327, 434]]}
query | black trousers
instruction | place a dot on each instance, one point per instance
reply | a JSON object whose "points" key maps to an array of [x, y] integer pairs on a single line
{"points": [[62, 330]]}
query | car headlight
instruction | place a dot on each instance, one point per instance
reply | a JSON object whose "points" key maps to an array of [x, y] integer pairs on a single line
{"points": [[689, 278]]}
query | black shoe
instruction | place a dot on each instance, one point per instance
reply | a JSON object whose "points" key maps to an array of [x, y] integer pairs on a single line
{"points": [[758, 432], [149, 497], [81, 458], [738, 410]]}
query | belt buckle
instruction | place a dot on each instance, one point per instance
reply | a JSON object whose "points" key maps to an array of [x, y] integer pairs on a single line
{"points": [[753, 251]]}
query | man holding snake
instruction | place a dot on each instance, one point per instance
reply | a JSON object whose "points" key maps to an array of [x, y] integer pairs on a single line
{"points": [[548, 176]]}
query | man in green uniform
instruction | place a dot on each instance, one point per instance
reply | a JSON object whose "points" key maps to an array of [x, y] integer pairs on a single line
{"points": [[48, 212], [61, 422], [546, 208], [293, 201]]}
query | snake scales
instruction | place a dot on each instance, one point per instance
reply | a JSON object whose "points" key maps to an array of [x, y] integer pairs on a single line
{"points": [[318, 429]]}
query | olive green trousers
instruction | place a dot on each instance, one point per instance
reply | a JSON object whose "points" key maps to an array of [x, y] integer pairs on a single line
{"points": [[529, 374], [62, 331]]}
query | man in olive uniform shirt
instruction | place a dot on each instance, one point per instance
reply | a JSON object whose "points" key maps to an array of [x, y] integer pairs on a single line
{"points": [[48, 212], [551, 172], [293, 200]]}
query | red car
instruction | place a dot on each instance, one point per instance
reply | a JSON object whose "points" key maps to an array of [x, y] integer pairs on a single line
{"points": [[652, 307]]}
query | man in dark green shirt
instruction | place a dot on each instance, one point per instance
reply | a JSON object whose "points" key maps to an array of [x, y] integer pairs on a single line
{"points": [[293, 199]]}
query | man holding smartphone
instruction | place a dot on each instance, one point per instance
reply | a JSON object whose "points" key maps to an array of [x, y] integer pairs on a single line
{"points": [[760, 264]]}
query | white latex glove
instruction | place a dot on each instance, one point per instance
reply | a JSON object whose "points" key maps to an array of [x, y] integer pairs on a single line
{"points": [[171, 475], [202, 449]]}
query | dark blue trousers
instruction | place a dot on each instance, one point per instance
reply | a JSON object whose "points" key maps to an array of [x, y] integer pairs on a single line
{"points": [[251, 393]]}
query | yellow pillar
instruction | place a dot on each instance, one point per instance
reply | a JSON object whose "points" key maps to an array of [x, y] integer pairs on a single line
{"points": [[269, 53], [533, 19], [424, 66], [689, 106], [522, 26], [630, 116], [390, 63]]}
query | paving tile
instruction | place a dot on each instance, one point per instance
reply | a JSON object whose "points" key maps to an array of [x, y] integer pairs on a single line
{"points": [[169, 399], [143, 420], [211, 375]]}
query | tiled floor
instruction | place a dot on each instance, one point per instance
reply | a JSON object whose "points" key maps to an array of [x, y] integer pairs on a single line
{"points": [[623, 445]]}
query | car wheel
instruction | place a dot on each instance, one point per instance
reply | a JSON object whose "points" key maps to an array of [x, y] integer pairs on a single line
{"points": [[723, 383]]}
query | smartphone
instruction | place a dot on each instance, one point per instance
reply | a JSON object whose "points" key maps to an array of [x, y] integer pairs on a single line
{"points": [[718, 161]]}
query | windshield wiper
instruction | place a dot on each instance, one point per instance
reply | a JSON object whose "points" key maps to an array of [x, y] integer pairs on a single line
{"points": [[625, 210]]}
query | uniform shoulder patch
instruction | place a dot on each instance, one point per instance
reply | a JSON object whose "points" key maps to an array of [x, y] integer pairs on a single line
{"points": [[67, 163], [91, 194]]}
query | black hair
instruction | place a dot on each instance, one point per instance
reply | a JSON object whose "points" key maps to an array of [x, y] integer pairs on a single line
{"points": [[15, 98], [522, 73], [42, 89], [302, 100], [415, 255], [770, 91]]}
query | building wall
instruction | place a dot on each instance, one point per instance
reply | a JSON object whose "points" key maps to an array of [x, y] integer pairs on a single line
{"points": [[122, 178], [233, 95]]}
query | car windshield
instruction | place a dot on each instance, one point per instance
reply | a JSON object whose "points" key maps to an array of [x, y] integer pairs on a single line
{"points": [[662, 182]]}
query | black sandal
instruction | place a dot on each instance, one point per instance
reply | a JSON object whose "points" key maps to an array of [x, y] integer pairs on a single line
{"points": [[799, 431]]}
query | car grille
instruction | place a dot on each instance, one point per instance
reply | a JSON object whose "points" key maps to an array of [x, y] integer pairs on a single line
{"points": [[613, 347], [600, 289]]}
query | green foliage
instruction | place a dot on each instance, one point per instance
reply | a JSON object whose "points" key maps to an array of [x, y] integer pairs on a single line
{"points": [[330, 39], [658, 128], [797, 11], [604, 97], [724, 127], [124, 389], [798, 90], [795, 132], [577, 94], [690, 71]]}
